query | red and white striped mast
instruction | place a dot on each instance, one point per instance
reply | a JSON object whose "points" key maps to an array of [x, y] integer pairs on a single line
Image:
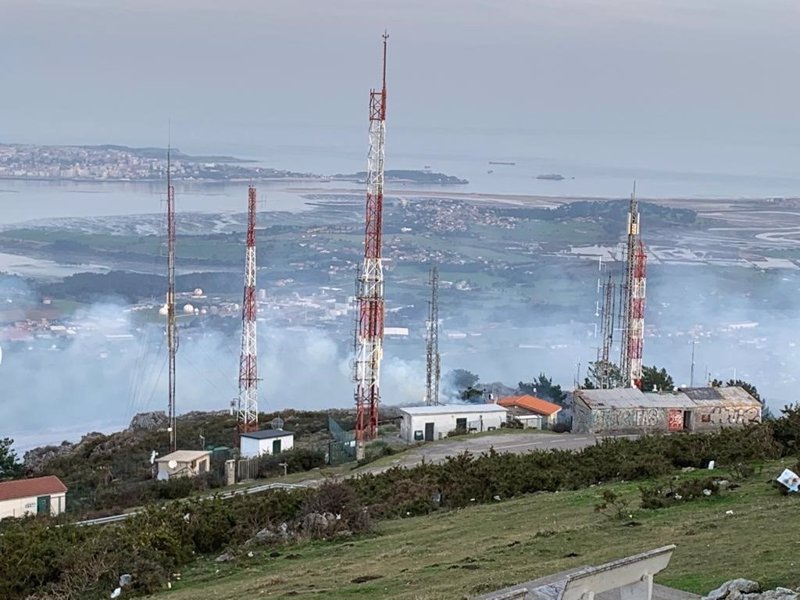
{"points": [[633, 305], [247, 413], [369, 323]]}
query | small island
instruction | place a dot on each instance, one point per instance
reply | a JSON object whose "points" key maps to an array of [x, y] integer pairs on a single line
{"points": [[406, 176], [551, 177]]}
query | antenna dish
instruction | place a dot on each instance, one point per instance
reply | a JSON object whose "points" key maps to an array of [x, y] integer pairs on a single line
{"points": [[173, 464], [153, 455], [277, 423]]}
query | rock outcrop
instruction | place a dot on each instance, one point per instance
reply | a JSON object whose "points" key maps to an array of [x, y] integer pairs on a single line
{"points": [[745, 589], [148, 421]]}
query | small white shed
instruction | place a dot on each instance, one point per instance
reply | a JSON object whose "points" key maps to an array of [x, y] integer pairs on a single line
{"points": [[428, 423], [183, 463], [41, 495], [267, 441]]}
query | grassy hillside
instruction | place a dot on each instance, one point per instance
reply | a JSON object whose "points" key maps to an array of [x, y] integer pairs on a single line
{"points": [[482, 548]]}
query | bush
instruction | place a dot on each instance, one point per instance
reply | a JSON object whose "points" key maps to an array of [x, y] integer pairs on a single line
{"points": [[297, 460], [654, 497], [560, 428]]}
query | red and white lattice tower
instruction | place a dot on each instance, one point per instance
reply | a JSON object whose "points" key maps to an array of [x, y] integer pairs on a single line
{"points": [[633, 301], [369, 320], [247, 413]]}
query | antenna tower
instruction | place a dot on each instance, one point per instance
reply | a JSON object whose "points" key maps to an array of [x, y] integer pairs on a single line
{"points": [[369, 327], [433, 373], [172, 332], [247, 413], [633, 301], [603, 365]]}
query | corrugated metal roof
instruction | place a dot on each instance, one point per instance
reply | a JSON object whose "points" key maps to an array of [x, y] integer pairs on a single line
{"points": [[685, 398], [28, 488], [444, 409], [531, 403], [634, 398], [705, 393]]}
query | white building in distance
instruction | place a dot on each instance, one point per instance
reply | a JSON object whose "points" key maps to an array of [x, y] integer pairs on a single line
{"points": [[267, 441], [183, 463], [428, 423], [41, 495]]}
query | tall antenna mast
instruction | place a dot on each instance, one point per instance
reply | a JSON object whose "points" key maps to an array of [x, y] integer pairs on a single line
{"points": [[369, 327], [247, 414], [633, 300], [172, 333], [603, 365], [433, 373]]}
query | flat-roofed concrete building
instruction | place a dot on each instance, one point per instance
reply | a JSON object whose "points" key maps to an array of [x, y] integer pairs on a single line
{"points": [[428, 423]]}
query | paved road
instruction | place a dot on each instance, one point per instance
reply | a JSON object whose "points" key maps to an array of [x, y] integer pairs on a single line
{"points": [[517, 443]]}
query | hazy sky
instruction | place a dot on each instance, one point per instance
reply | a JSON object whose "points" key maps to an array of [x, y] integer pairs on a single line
{"points": [[693, 84]]}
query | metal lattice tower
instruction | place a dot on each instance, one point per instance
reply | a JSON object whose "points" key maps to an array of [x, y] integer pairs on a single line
{"points": [[247, 413], [172, 332], [633, 301], [433, 373], [606, 334], [369, 326]]}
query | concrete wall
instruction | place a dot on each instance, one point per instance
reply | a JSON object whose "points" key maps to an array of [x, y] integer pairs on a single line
{"points": [[252, 447], [713, 418], [19, 507], [184, 469], [617, 421], [446, 422]]}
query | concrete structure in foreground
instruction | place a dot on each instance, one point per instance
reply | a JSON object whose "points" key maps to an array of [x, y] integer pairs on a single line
{"points": [[428, 423], [631, 411], [630, 578], [265, 441], [41, 495], [183, 463]]}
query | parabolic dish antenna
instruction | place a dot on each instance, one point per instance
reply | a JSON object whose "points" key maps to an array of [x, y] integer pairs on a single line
{"points": [[277, 423], [173, 464]]}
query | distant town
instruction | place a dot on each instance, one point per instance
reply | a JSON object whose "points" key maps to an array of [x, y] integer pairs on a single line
{"points": [[124, 164]]}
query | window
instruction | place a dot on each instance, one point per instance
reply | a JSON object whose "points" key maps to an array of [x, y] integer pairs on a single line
{"points": [[419, 435]]}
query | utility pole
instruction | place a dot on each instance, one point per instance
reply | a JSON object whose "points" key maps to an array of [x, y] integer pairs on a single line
{"points": [[247, 413], [369, 327], [172, 332], [433, 372]]}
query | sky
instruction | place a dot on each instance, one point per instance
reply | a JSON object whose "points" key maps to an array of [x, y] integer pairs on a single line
{"points": [[698, 85]]}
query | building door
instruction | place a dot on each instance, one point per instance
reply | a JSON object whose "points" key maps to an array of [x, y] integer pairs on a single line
{"points": [[428, 432], [276, 446], [43, 505], [461, 424], [687, 420]]}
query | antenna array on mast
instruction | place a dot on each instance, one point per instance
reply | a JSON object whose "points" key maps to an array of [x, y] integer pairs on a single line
{"points": [[633, 301], [370, 318], [247, 413], [433, 372], [172, 332]]}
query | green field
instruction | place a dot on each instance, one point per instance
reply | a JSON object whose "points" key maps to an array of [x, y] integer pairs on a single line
{"points": [[483, 548]]}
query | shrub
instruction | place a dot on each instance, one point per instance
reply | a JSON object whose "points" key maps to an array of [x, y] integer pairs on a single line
{"points": [[654, 497], [612, 505]]}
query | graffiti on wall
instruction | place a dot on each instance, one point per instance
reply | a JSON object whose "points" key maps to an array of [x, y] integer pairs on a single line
{"points": [[630, 419], [675, 420], [727, 416]]}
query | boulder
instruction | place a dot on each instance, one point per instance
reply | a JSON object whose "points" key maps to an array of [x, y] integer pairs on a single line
{"points": [[734, 590]]}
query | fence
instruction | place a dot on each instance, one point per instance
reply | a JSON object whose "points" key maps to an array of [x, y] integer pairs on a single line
{"points": [[342, 448]]}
